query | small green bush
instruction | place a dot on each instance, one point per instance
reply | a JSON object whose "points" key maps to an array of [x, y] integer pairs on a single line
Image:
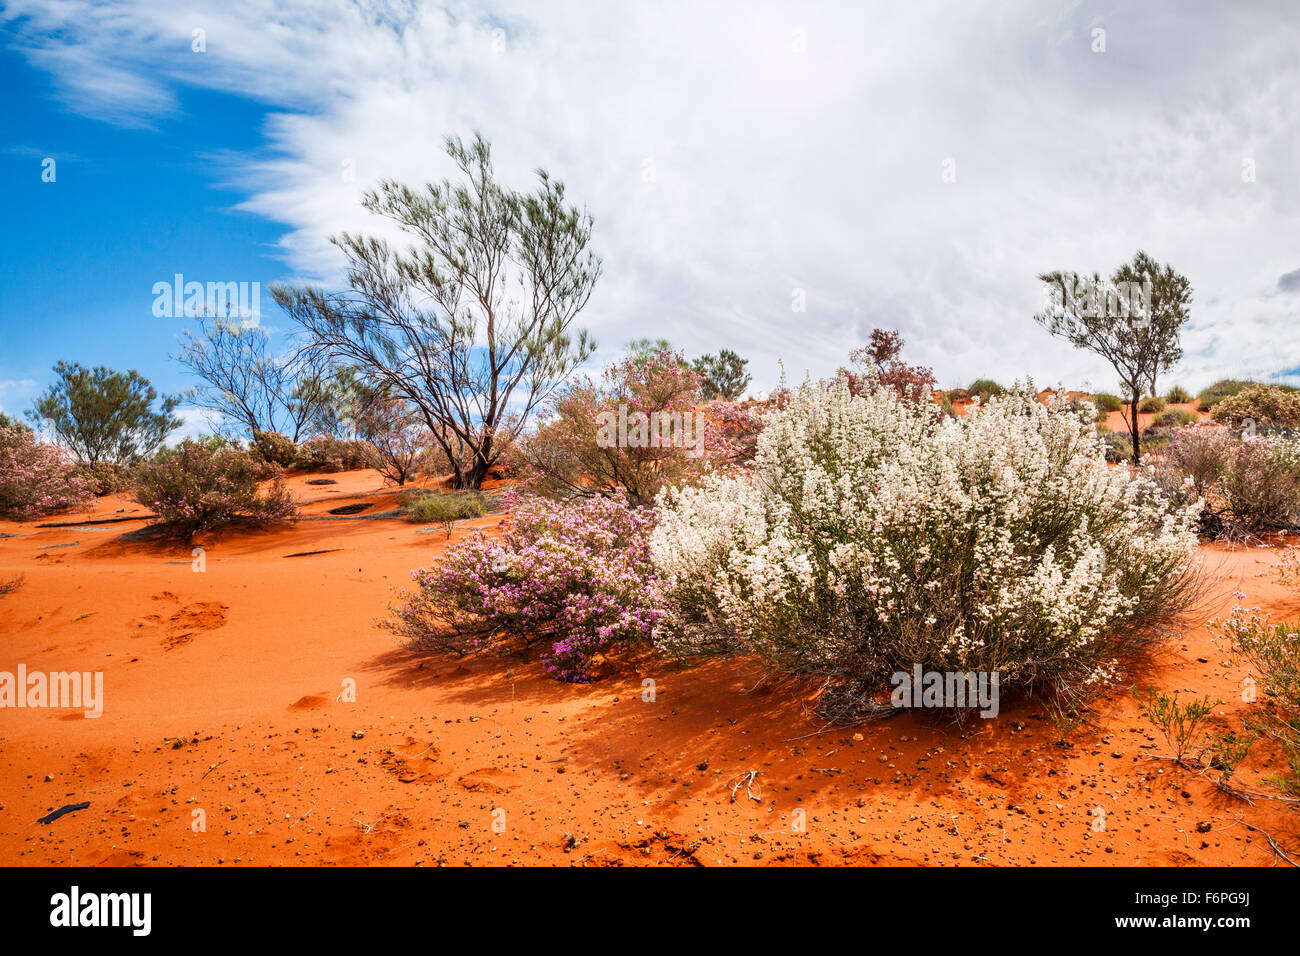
{"points": [[1178, 396], [1220, 390], [985, 388], [1107, 402], [445, 506], [107, 477], [323, 453], [1174, 418], [196, 488], [274, 448], [1153, 404]]}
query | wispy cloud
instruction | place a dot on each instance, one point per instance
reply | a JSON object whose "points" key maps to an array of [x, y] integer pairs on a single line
{"points": [[733, 159]]}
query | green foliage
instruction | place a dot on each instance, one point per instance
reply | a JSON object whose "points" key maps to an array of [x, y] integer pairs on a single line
{"points": [[985, 388], [1265, 406], [323, 453], [1178, 396], [193, 487], [1153, 404], [108, 477], [643, 350], [103, 415], [474, 326], [1138, 335], [7, 422], [274, 448], [444, 506], [1220, 390], [1179, 723], [1107, 402], [723, 377], [1273, 650], [1174, 418]]}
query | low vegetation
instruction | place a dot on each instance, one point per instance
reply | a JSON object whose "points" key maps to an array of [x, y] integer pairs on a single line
{"points": [[573, 577], [444, 506], [196, 487], [38, 479], [874, 536], [1258, 408]]}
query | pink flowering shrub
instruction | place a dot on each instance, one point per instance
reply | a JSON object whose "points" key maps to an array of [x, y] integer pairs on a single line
{"points": [[195, 487], [37, 479], [643, 428], [574, 575], [1250, 486]]}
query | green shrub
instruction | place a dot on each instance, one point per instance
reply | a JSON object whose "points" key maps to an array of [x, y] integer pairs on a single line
{"points": [[196, 488], [274, 448], [1220, 390], [1178, 396], [1267, 406], [324, 453], [985, 388], [1273, 649], [1174, 418], [1177, 722], [108, 477], [1153, 404], [1118, 446], [444, 506], [1260, 485], [1107, 402]]}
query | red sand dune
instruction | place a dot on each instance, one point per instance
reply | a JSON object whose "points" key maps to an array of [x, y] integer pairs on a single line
{"points": [[223, 695]]}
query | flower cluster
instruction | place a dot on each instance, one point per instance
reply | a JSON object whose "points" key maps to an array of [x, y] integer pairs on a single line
{"points": [[573, 575], [1249, 485], [874, 534], [37, 479]]}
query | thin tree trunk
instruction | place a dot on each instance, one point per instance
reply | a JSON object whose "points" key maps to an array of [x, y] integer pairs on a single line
{"points": [[1133, 427]]}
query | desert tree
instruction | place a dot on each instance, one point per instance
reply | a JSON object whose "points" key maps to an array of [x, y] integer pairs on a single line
{"points": [[106, 416], [471, 327], [879, 364], [246, 383], [1134, 321], [722, 376]]}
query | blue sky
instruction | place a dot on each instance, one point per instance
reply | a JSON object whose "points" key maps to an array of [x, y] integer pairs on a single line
{"points": [[130, 206], [733, 165]]}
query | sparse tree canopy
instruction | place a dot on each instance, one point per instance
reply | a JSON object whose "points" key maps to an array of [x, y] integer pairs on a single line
{"points": [[722, 376], [472, 327], [106, 416], [643, 350], [7, 422], [879, 363], [248, 385], [1134, 321]]}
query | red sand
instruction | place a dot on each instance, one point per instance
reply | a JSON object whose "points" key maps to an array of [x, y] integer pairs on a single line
{"points": [[223, 696]]}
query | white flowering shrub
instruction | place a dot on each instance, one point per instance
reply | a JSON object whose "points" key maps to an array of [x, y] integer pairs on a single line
{"points": [[872, 535]]}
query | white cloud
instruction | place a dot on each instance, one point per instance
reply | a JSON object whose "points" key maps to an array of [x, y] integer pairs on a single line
{"points": [[791, 147]]}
